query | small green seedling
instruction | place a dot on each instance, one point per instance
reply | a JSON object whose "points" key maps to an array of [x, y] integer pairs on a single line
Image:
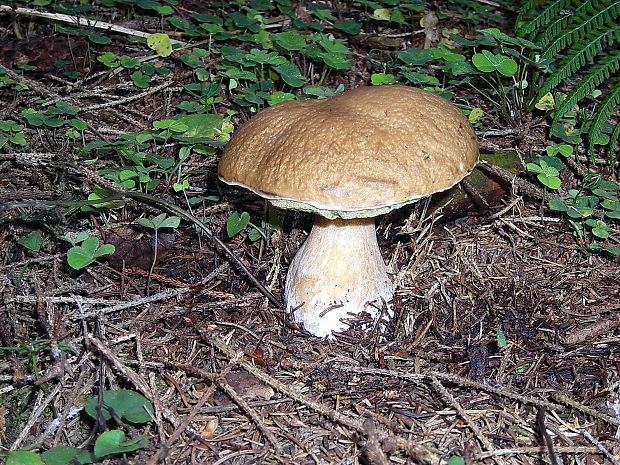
{"points": [[587, 210], [11, 133], [237, 223], [119, 405], [576, 204], [547, 175], [32, 349], [501, 338], [32, 241], [599, 228], [157, 223], [456, 460], [522, 369], [561, 149], [160, 221], [80, 256], [488, 62]]}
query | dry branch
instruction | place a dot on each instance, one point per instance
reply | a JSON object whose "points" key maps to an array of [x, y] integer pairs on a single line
{"points": [[78, 21]]}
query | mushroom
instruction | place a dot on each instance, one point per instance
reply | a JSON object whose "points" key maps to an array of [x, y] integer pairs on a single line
{"points": [[348, 159]]}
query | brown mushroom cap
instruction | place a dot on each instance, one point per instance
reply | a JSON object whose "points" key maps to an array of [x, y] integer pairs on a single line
{"points": [[361, 153]]}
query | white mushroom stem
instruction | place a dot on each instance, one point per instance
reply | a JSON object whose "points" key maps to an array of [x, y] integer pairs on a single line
{"points": [[336, 274]]}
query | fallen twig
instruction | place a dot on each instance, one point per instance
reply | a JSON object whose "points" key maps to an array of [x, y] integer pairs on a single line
{"points": [[459, 380], [602, 326], [129, 374], [520, 185], [441, 389], [156, 457], [228, 389], [79, 21], [117, 195], [542, 429], [558, 396], [601, 447], [420, 453]]}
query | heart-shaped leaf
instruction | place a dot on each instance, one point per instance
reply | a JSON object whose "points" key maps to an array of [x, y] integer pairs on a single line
{"points": [[23, 457], [290, 74], [487, 62], [349, 27], [62, 455], [32, 241], [563, 149], [160, 43], [546, 102], [557, 205], [84, 254], [379, 79], [126, 404], [381, 14], [475, 115], [112, 442], [290, 40], [237, 223]]}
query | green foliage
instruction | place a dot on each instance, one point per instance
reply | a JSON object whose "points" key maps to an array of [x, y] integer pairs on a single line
{"points": [[91, 34], [501, 338], [584, 36], [11, 133], [488, 62], [142, 72], [160, 221], [23, 457], [547, 175], [32, 241], [456, 460], [113, 443], [33, 349], [474, 12], [238, 222], [64, 455], [588, 210], [55, 116], [89, 250], [605, 109], [8, 83], [145, 168], [119, 405]]}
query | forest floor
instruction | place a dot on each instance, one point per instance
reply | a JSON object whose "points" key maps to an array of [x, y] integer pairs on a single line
{"points": [[504, 347]]}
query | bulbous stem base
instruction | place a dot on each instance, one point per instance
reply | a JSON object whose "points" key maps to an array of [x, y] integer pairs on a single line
{"points": [[336, 274]]}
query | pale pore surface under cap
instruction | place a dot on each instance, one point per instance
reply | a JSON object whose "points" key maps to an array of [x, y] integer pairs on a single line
{"points": [[366, 149]]}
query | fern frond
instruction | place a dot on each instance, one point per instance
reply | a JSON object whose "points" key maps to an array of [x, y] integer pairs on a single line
{"points": [[615, 134], [544, 17], [580, 53], [559, 25], [603, 70], [604, 17], [605, 109]]}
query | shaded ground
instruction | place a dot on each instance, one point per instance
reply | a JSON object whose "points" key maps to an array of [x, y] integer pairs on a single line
{"points": [[438, 378], [505, 347]]}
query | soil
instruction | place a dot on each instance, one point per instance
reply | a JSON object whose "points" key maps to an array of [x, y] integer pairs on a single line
{"points": [[504, 347]]}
